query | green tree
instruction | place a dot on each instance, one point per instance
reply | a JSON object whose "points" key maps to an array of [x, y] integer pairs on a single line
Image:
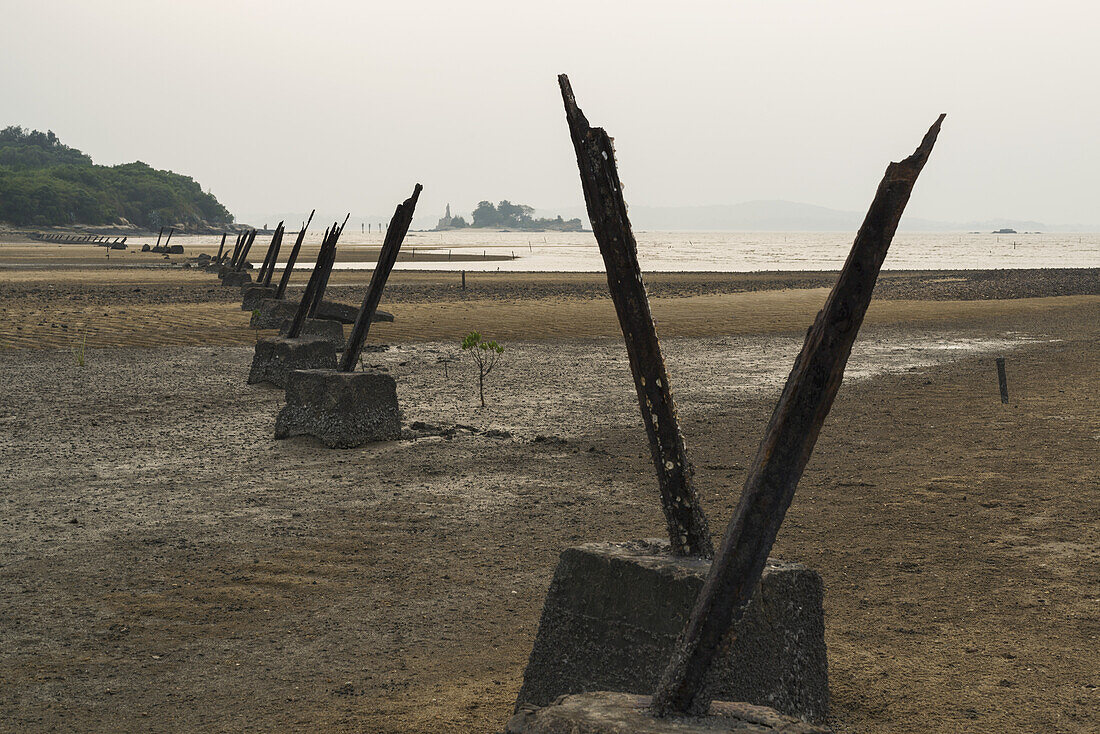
{"points": [[44, 182], [486, 215], [484, 353]]}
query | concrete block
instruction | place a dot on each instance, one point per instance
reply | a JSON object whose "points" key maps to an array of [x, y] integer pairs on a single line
{"points": [[253, 294], [614, 611], [236, 278], [340, 409], [606, 712], [334, 311], [276, 358], [272, 313], [332, 331]]}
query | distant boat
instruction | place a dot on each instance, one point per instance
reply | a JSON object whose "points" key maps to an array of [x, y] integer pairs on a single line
{"points": [[1006, 230]]}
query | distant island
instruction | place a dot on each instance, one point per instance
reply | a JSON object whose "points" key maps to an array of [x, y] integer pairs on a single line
{"points": [[44, 182], [506, 215]]}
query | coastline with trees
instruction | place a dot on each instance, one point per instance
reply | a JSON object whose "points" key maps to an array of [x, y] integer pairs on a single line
{"points": [[506, 215]]}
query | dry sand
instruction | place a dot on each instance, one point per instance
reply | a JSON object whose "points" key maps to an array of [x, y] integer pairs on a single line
{"points": [[166, 565]]}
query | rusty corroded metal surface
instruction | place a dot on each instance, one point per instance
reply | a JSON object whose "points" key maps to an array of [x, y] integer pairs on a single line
{"points": [[395, 235], [687, 524], [293, 258], [788, 442]]}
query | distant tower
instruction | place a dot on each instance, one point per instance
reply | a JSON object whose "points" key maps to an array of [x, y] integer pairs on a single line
{"points": [[446, 221]]}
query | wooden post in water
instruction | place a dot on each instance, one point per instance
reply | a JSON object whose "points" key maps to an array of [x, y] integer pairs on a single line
{"points": [[399, 226], [281, 290], [684, 517], [161, 232], [1002, 379], [788, 442], [463, 280], [169, 239]]}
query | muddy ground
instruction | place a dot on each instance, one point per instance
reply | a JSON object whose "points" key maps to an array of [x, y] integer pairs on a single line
{"points": [[165, 565]]}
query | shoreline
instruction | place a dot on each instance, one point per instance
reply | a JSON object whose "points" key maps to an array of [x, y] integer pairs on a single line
{"points": [[44, 309]]}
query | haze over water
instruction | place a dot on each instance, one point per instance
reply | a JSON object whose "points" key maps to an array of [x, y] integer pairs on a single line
{"points": [[738, 251]]}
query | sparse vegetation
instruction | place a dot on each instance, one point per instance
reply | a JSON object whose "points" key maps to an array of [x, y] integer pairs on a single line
{"points": [[484, 353], [79, 348]]}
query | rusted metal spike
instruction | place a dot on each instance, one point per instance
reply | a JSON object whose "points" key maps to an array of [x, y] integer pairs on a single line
{"points": [[236, 251], [267, 257], [311, 289], [326, 271], [787, 445], [687, 524], [221, 249], [264, 277], [399, 226], [280, 232], [285, 280], [245, 247]]}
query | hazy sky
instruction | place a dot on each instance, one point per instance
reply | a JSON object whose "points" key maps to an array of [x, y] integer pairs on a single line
{"points": [[280, 107]]}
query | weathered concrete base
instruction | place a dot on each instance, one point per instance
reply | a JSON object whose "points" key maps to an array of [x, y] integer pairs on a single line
{"points": [[274, 312], [346, 314], [614, 611], [277, 357], [331, 331], [253, 294], [625, 713], [236, 278], [334, 311], [340, 409]]}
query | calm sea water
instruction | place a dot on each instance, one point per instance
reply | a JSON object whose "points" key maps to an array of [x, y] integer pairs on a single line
{"points": [[719, 251], [747, 251]]}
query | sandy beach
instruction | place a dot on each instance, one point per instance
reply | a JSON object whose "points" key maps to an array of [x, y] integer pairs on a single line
{"points": [[167, 565]]}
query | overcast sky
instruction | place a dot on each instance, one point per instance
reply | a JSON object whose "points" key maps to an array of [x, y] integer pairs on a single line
{"points": [[281, 107]]}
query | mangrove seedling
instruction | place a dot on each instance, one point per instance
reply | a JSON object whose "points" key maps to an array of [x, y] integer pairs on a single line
{"points": [[484, 354]]}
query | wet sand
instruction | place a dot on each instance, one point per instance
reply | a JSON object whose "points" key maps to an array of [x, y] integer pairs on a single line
{"points": [[166, 565], [146, 307]]}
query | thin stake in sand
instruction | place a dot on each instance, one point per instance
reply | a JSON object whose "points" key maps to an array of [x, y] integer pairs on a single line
{"points": [[395, 235], [684, 517], [787, 445]]}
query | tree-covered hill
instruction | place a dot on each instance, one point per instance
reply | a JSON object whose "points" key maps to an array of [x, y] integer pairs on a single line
{"points": [[45, 182]]}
